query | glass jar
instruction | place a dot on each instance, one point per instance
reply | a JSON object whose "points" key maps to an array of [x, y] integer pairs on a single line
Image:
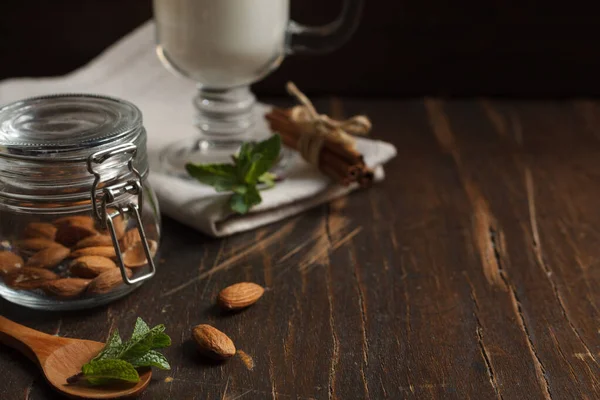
{"points": [[79, 223]]}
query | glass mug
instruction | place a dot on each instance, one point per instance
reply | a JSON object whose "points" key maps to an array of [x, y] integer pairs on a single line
{"points": [[224, 46]]}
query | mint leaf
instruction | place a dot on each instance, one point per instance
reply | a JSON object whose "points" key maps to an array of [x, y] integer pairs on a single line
{"points": [[238, 204], [241, 203], [268, 179], [117, 360], [243, 161], [151, 359], [140, 329], [112, 347], [160, 341], [264, 155], [250, 167], [141, 342], [101, 371], [221, 176], [252, 197]]}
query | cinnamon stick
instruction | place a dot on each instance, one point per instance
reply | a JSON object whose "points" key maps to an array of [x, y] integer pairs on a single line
{"points": [[337, 160]]}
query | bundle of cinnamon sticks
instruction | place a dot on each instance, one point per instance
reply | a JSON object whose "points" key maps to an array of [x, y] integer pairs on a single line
{"points": [[337, 159]]}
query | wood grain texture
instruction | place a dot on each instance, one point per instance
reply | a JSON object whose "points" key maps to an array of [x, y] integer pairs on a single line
{"points": [[470, 272]]}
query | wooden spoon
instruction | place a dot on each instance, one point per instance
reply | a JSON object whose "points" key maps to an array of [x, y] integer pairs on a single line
{"points": [[61, 358]]}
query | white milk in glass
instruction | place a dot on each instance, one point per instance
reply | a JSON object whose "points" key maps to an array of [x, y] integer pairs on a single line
{"points": [[222, 43]]}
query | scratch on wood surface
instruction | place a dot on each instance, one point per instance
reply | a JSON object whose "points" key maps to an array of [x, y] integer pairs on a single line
{"points": [[584, 266], [267, 265], [110, 317], [241, 395], [537, 249], [336, 220], [335, 353], [562, 355], [441, 128], [500, 122], [226, 387], [485, 229], [483, 220], [288, 341], [320, 238], [430, 387], [533, 216], [362, 305], [539, 367], [583, 357], [219, 252], [325, 249], [496, 118], [246, 359], [517, 128], [406, 295], [172, 377], [480, 341], [272, 377], [230, 262], [257, 391], [297, 249], [206, 284]]}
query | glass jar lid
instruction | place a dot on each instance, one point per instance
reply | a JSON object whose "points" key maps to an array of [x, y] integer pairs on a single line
{"points": [[47, 142], [65, 125]]}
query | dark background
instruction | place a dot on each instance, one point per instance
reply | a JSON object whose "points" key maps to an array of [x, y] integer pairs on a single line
{"points": [[426, 47]]}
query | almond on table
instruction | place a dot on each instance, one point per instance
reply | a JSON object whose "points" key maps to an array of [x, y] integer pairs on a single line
{"points": [[240, 295], [213, 343]]}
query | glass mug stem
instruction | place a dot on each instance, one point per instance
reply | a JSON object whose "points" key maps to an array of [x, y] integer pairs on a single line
{"points": [[224, 113]]}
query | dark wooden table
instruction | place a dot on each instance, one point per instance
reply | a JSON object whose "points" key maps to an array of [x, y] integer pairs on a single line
{"points": [[471, 272]]}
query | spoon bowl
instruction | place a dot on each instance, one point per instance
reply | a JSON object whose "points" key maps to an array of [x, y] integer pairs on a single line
{"points": [[61, 358]]}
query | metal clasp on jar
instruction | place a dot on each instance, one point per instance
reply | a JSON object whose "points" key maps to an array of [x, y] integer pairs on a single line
{"points": [[108, 199]]}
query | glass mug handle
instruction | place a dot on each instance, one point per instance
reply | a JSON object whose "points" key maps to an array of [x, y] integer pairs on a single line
{"points": [[326, 38]]}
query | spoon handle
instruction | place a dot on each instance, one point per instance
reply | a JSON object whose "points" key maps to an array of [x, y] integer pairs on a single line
{"points": [[34, 344]]}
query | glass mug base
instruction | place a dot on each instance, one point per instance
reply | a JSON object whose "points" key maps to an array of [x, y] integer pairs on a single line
{"points": [[174, 157]]}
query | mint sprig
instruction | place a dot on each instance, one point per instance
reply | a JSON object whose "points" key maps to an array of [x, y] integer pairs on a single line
{"points": [[250, 167], [118, 360]]}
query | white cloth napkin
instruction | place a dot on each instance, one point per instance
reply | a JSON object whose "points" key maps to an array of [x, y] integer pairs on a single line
{"points": [[130, 69]]}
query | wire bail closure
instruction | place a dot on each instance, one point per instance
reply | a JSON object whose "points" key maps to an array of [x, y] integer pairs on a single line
{"points": [[108, 197]]}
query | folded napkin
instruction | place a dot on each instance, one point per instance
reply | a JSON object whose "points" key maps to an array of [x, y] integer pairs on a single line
{"points": [[130, 69]]}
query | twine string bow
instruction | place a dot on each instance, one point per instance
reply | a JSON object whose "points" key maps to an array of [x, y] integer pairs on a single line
{"points": [[318, 128]]}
